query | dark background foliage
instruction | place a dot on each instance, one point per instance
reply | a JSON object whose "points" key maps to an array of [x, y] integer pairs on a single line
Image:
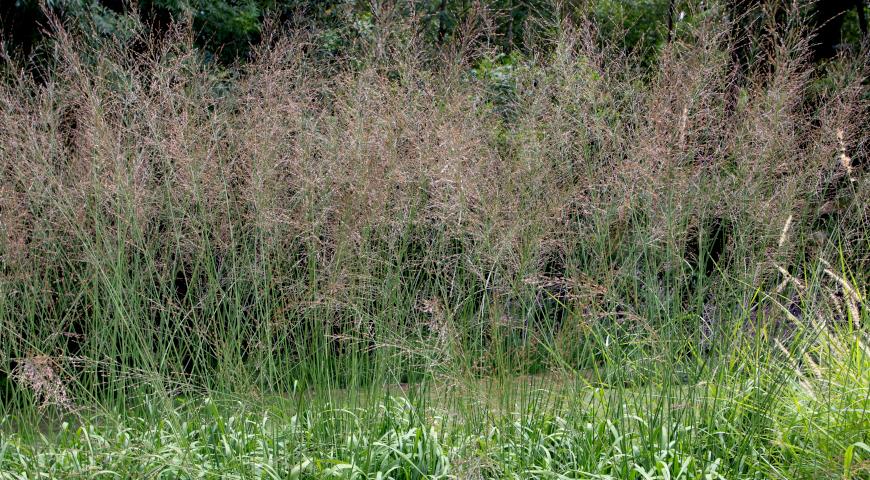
{"points": [[226, 29]]}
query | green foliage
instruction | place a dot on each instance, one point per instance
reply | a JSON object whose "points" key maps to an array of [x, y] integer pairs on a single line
{"points": [[720, 425], [635, 24], [227, 27]]}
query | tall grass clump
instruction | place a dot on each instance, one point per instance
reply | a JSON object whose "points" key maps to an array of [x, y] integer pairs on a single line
{"points": [[583, 264]]}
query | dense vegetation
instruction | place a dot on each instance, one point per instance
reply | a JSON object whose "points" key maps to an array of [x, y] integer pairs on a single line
{"points": [[225, 30], [410, 255]]}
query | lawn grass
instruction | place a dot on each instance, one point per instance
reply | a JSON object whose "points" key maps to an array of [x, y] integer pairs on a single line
{"points": [[537, 427]]}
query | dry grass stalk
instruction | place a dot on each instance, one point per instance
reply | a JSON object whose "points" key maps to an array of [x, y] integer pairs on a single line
{"points": [[789, 278], [784, 234], [845, 160], [802, 379], [852, 296], [42, 375]]}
